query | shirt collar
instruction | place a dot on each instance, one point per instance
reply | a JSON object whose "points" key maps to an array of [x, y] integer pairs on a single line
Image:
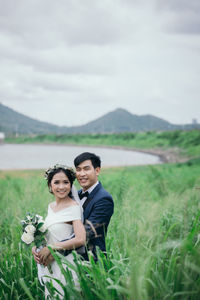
{"points": [[92, 187]]}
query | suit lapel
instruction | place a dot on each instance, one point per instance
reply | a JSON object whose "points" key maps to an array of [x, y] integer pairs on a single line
{"points": [[90, 200], [86, 202]]}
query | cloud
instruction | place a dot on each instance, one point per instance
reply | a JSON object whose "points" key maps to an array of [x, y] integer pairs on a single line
{"points": [[71, 22], [181, 16], [179, 5], [65, 37], [89, 57]]}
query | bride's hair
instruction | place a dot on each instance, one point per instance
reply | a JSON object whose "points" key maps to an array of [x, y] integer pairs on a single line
{"points": [[69, 172]]}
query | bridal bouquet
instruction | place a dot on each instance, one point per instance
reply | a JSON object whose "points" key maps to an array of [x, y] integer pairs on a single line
{"points": [[33, 230]]}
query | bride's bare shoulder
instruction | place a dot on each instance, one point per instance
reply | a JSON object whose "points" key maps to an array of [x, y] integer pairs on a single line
{"points": [[73, 203], [52, 204]]}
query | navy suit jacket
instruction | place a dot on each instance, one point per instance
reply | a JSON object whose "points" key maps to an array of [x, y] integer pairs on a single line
{"points": [[98, 211]]}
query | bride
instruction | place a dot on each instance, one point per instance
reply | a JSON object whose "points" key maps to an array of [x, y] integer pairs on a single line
{"points": [[63, 220]]}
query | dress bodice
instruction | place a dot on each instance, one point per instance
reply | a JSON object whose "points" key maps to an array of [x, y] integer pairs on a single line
{"points": [[57, 230], [55, 222]]}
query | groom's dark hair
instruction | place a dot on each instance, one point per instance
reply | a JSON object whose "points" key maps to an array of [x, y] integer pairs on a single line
{"points": [[95, 160]]}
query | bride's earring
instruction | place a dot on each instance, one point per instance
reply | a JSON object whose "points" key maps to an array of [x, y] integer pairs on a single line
{"points": [[50, 189]]}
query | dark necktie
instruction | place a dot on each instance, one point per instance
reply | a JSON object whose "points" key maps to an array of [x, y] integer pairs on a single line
{"points": [[82, 195]]}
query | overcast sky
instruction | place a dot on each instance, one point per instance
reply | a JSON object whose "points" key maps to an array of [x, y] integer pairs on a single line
{"points": [[71, 61]]}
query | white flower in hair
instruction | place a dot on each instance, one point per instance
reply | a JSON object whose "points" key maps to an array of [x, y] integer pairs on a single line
{"points": [[59, 166]]}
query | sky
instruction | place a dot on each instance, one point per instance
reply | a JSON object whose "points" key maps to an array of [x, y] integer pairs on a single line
{"points": [[69, 62]]}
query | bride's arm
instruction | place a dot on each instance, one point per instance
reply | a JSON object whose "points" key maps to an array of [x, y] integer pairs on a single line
{"points": [[78, 240]]}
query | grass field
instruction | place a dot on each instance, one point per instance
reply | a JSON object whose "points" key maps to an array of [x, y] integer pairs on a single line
{"points": [[153, 240]]}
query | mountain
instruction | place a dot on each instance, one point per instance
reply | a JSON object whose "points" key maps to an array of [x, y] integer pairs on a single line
{"points": [[12, 122], [119, 120]]}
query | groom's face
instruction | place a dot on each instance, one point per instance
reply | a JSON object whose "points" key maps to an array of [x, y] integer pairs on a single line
{"points": [[86, 174]]}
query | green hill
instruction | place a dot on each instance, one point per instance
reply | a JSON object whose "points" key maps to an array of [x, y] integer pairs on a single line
{"points": [[12, 122], [119, 120]]}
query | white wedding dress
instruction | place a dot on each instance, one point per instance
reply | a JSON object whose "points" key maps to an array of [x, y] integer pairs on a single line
{"points": [[58, 230]]}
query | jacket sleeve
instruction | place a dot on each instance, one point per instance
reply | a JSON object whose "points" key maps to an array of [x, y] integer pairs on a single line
{"points": [[99, 218]]}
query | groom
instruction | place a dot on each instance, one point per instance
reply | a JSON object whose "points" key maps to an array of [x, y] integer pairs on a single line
{"points": [[97, 203]]}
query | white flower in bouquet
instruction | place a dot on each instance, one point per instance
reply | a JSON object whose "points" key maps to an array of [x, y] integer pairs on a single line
{"points": [[28, 217], [40, 218], [27, 238], [33, 230], [30, 229], [43, 228]]}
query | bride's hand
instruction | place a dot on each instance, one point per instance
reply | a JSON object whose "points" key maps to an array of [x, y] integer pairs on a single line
{"points": [[35, 255], [43, 255], [49, 260]]}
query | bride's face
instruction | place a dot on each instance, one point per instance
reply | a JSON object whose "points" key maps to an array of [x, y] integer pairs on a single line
{"points": [[60, 185]]}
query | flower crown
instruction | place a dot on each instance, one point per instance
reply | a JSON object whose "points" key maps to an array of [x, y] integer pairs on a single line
{"points": [[59, 166]]}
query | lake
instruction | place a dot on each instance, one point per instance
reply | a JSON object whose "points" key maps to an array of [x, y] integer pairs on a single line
{"points": [[23, 156]]}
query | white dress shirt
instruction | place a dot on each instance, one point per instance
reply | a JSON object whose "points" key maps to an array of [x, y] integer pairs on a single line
{"points": [[89, 191]]}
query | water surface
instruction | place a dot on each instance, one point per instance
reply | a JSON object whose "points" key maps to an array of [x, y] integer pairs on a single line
{"points": [[22, 156]]}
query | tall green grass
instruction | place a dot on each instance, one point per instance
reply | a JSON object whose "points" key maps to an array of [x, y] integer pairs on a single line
{"points": [[153, 240]]}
